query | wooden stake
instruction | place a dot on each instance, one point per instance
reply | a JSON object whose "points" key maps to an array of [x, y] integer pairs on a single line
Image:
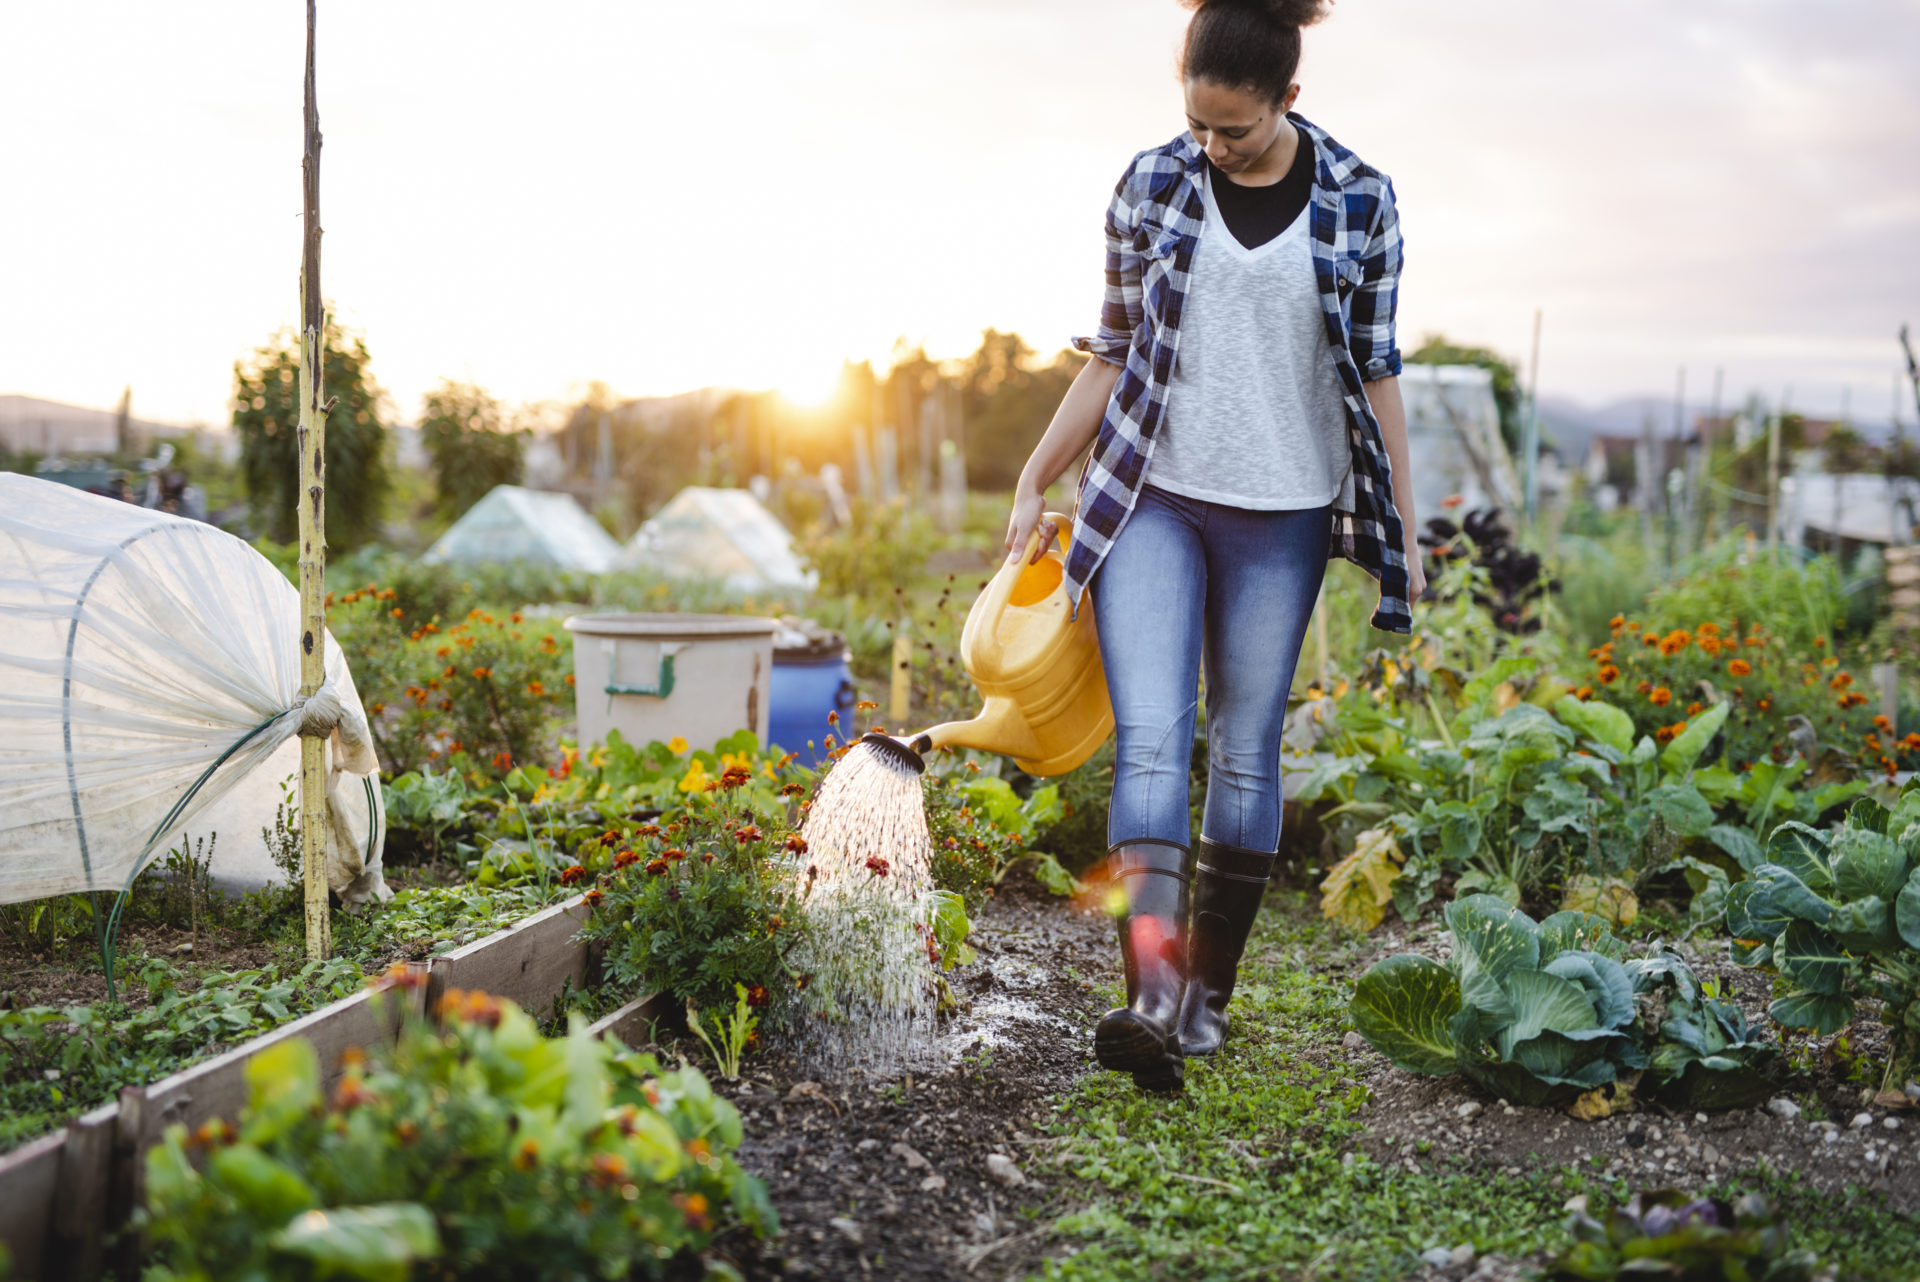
{"points": [[900, 704], [312, 437]]}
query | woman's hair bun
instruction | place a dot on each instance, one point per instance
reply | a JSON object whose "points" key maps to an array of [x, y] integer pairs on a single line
{"points": [[1288, 13]]}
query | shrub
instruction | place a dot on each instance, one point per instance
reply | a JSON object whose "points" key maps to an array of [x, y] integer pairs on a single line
{"points": [[490, 686], [489, 1151], [1540, 1012], [705, 900], [1837, 916], [1664, 680]]}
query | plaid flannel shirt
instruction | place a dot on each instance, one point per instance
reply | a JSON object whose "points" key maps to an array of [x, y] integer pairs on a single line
{"points": [[1153, 229]]}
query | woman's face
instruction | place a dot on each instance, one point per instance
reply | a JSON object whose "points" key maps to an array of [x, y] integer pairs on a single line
{"points": [[1237, 127]]}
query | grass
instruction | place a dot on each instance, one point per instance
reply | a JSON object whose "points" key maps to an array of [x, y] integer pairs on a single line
{"points": [[1255, 1171]]}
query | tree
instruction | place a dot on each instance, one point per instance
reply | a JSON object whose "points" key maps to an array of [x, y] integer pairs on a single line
{"points": [[1008, 400], [469, 445], [1436, 350], [266, 413]]}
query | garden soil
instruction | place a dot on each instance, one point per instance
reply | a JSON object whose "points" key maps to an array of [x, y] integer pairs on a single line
{"points": [[920, 1177]]}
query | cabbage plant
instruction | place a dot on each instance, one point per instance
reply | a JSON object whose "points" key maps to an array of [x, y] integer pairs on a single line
{"points": [[1538, 1012], [1837, 915]]}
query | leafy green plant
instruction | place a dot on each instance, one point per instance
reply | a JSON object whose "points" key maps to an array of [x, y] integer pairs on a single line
{"points": [[1837, 916], [485, 1150], [426, 808], [980, 829], [735, 1033], [1540, 1012], [59, 1062], [1666, 1233]]}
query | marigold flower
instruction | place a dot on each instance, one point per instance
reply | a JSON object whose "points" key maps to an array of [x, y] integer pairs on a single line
{"points": [[377, 709], [878, 866], [406, 1130], [747, 833], [605, 1169], [503, 761], [1764, 704], [351, 1094], [1708, 629], [1643, 687], [756, 995], [594, 897], [1663, 735], [793, 790], [1660, 696], [736, 777], [537, 689], [625, 859], [456, 746], [527, 1156], [775, 922], [1819, 643], [1841, 680], [1739, 668], [866, 705], [481, 674], [657, 868], [398, 613], [795, 844], [673, 854], [1608, 674], [1617, 622], [1882, 722], [572, 874], [1709, 645], [695, 1209], [1651, 638], [800, 982], [1911, 743], [1695, 709], [569, 678]]}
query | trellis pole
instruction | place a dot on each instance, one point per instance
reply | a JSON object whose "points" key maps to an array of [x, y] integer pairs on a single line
{"points": [[312, 438]]}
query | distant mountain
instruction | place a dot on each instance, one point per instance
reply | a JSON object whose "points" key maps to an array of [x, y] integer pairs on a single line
{"points": [[1569, 426]]}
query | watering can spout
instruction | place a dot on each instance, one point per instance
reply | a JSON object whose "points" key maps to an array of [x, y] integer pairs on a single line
{"points": [[999, 728]]}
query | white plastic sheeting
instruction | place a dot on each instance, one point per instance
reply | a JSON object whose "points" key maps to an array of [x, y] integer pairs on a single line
{"points": [[515, 524], [136, 649], [726, 535]]}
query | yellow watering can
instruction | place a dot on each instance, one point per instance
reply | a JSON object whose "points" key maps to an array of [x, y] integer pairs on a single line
{"points": [[1037, 666]]}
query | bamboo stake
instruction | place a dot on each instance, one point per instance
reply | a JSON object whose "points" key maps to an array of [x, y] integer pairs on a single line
{"points": [[312, 438]]}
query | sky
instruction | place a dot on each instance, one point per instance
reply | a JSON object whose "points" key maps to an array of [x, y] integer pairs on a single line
{"points": [[665, 196]]}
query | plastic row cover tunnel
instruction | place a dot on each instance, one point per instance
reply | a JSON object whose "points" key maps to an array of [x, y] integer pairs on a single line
{"points": [[149, 687]]}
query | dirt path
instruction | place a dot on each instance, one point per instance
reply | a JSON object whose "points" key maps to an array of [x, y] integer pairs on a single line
{"points": [[892, 1180]]}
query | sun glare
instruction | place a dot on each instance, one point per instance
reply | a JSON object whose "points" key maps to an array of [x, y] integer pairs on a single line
{"points": [[810, 389]]}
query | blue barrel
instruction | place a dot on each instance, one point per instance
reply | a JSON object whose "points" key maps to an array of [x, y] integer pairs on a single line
{"points": [[808, 683]]}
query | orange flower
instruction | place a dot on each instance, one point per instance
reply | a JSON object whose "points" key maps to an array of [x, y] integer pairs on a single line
{"points": [[1709, 645], [878, 866], [481, 674], [1708, 629], [1608, 674], [1819, 643], [536, 689], [398, 613], [1660, 696], [1841, 680], [1584, 693], [503, 761], [1882, 722], [527, 1156], [1651, 639], [1695, 709], [1739, 668], [1617, 622], [1764, 704], [1663, 735], [1643, 687], [572, 875], [747, 833], [1674, 642]]}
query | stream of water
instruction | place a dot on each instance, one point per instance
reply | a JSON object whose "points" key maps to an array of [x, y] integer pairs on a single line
{"points": [[870, 905]]}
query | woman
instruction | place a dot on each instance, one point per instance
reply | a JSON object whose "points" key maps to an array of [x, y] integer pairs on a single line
{"points": [[1246, 424]]}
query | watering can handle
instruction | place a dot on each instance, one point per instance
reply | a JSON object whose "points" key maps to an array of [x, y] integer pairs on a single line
{"points": [[1001, 588]]}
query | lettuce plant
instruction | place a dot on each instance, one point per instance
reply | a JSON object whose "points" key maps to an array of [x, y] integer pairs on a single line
{"points": [[1837, 916], [1667, 1234], [1540, 1012]]}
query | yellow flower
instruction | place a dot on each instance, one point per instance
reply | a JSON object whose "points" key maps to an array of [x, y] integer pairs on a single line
{"points": [[677, 746], [740, 759], [696, 778], [597, 758], [766, 768]]}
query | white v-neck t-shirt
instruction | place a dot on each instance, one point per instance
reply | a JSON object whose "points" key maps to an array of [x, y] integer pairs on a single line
{"points": [[1254, 418]]}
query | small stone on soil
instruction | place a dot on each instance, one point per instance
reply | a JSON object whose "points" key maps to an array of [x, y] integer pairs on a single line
{"points": [[1353, 1042], [1861, 1121], [1002, 1168], [1468, 1109], [1438, 1256], [850, 1228], [911, 1156], [1461, 1255], [1783, 1108], [933, 1183]]}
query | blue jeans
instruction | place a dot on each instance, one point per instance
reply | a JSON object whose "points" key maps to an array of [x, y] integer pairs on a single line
{"points": [[1189, 580]]}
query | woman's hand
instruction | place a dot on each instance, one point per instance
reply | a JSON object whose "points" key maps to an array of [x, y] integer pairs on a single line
{"points": [[1029, 513], [1416, 568]]}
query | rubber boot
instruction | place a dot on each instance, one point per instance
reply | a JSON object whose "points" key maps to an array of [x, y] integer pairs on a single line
{"points": [[1227, 886], [1143, 1037]]}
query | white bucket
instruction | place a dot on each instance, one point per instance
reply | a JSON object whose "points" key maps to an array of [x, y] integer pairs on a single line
{"points": [[654, 676]]}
